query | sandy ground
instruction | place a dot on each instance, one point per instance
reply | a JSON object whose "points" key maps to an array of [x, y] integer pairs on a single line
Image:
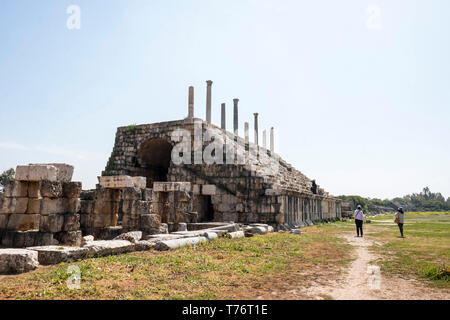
{"points": [[363, 281]]}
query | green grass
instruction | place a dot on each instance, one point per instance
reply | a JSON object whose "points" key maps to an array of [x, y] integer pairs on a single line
{"points": [[424, 253], [219, 269]]}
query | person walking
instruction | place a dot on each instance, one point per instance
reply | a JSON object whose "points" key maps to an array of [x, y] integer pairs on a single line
{"points": [[399, 220], [359, 217]]}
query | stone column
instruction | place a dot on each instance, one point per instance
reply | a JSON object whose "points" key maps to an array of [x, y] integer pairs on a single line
{"points": [[256, 127], [271, 141], [208, 100], [246, 132], [264, 139], [235, 117], [191, 103], [223, 120]]}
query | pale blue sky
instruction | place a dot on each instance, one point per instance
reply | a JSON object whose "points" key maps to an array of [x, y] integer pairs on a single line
{"points": [[364, 111]]}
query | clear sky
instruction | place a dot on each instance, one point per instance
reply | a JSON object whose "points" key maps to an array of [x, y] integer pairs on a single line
{"points": [[358, 91]]}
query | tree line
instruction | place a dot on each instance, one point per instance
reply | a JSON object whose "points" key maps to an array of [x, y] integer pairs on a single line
{"points": [[423, 201]]}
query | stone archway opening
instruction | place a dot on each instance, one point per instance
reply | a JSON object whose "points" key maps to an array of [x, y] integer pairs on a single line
{"points": [[154, 157]]}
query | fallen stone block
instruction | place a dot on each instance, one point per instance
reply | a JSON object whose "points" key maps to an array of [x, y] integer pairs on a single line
{"points": [[258, 230], [56, 254], [87, 239], [132, 236], [235, 235], [161, 237], [17, 260], [144, 245], [109, 247], [210, 235], [177, 243], [229, 227], [295, 231]]}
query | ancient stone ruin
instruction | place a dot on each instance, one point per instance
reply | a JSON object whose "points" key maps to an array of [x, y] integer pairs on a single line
{"points": [[165, 185]]}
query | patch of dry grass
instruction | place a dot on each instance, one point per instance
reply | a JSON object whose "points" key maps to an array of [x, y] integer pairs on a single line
{"points": [[219, 269]]}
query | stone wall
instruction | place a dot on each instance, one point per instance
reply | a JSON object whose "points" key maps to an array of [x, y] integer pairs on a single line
{"points": [[248, 192], [41, 207]]}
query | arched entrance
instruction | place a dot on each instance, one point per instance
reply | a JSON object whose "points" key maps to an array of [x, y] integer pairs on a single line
{"points": [[154, 156]]}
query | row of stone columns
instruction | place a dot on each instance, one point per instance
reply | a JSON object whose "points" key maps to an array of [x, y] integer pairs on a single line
{"points": [[223, 117]]}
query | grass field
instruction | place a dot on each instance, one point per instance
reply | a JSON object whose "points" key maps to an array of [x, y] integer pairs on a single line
{"points": [[248, 268], [220, 269]]}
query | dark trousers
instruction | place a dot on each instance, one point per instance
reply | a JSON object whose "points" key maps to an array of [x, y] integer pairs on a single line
{"points": [[400, 226], [359, 228]]}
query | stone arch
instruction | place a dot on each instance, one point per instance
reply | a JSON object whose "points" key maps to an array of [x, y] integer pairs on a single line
{"points": [[154, 158]]}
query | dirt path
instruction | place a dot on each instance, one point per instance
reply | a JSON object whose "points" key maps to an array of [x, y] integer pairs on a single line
{"points": [[363, 281]]}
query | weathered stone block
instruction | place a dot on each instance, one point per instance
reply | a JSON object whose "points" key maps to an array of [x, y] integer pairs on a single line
{"points": [[142, 207], [102, 220], [51, 206], [70, 238], [45, 239], [23, 222], [36, 173], [140, 182], [73, 205], [87, 206], [50, 189], [14, 205], [17, 260], [208, 189], [147, 194], [104, 194], [4, 220], [34, 190], [71, 190], [116, 182], [48, 255], [51, 223], [34, 206], [24, 239], [131, 193], [132, 236], [150, 221], [71, 222], [106, 207], [16, 189], [171, 186]]}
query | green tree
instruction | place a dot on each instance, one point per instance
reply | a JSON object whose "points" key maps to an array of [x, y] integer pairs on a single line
{"points": [[5, 177]]}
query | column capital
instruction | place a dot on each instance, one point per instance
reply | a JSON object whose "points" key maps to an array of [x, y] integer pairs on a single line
{"points": [[235, 100], [209, 82]]}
